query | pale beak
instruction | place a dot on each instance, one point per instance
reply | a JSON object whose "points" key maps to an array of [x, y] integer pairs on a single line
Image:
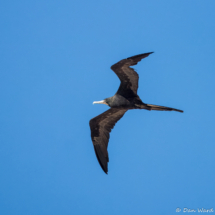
{"points": [[100, 102]]}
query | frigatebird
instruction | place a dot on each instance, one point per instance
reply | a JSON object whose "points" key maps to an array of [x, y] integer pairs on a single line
{"points": [[126, 98]]}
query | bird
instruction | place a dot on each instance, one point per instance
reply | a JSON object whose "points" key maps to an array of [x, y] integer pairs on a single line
{"points": [[126, 98]]}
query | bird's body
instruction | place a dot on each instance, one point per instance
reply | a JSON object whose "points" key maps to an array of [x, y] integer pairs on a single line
{"points": [[126, 98]]}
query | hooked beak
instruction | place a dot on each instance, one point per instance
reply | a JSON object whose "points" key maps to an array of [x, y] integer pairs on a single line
{"points": [[100, 102]]}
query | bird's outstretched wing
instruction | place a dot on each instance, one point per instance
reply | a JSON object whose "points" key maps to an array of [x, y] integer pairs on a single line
{"points": [[128, 77], [101, 126]]}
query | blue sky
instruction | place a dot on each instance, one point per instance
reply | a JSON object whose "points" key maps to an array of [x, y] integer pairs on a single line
{"points": [[55, 61]]}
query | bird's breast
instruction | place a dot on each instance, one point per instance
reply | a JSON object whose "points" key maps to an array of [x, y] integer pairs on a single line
{"points": [[118, 101]]}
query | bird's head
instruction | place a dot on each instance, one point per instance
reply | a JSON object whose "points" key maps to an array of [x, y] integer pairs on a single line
{"points": [[105, 101]]}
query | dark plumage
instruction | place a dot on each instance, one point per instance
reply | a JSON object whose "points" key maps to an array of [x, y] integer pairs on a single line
{"points": [[126, 98]]}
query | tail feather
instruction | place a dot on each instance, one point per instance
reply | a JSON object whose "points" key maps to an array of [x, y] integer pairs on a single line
{"points": [[162, 108]]}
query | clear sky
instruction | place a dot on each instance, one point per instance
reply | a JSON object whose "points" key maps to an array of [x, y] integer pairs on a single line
{"points": [[55, 61]]}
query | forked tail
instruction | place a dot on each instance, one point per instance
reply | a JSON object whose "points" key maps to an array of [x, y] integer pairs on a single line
{"points": [[157, 107]]}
